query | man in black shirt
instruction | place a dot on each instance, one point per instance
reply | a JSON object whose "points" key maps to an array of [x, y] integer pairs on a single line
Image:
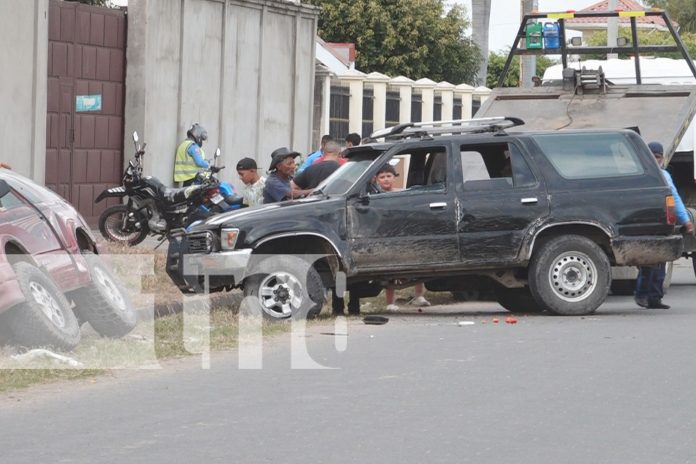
{"points": [[319, 171]]}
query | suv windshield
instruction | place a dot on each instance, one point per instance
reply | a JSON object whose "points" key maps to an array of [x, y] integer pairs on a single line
{"points": [[343, 179]]}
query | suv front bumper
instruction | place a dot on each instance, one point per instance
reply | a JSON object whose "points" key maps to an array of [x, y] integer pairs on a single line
{"points": [[647, 250], [189, 270]]}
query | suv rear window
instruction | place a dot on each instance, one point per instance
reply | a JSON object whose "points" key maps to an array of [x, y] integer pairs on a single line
{"points": [[584, 156]]}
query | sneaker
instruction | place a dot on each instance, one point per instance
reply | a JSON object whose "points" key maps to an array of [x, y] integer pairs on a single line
{"points": [[419, 301], [657, 304], [392, 307], [642, 302]]}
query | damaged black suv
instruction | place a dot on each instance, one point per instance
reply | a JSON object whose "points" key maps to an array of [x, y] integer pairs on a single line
{"points": [[540, 216]]}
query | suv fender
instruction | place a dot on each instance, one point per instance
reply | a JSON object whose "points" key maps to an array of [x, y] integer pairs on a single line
{"points": [[315, 244], [590, 229], [262, 236]]}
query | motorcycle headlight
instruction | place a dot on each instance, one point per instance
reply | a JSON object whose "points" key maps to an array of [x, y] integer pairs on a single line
{"points": [[228, 238]]}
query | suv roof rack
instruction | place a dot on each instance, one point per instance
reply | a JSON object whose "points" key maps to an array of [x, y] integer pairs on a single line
{"points": [[456, 126]]}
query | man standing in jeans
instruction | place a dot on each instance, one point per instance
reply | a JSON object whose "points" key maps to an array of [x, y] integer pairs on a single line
{"points": [[649, 286]]}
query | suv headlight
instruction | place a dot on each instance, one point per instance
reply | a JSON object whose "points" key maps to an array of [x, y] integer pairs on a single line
{"points": [[228, 238]]}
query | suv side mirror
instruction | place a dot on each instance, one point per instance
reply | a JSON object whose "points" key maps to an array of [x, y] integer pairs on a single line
{"points": [[363, 197], [4, 188]]}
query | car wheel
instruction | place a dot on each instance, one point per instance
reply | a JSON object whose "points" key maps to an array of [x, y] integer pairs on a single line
{"points": [[111, 227], [570, 276], [283, 287], [45, 318], [516, 300], [103, 303]]}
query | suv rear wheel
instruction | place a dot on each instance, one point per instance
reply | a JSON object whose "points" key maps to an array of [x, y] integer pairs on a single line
{"points": [[45, 318], [282, 287], [570, 276]]}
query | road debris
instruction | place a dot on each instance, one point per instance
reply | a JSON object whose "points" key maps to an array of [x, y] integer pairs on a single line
{"points": [[375, 320], [41, 353], [463, 323]]}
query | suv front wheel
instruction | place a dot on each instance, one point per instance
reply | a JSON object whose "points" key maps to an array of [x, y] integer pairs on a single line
{"points": [[282, 287], [570, 276]]}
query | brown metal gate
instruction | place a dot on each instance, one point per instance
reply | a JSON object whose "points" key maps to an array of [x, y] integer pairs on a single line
{"points": [[86, 89]]}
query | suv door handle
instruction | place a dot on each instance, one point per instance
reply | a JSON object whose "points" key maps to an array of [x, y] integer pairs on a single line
{"points": [[438, 205], [529, 201]]}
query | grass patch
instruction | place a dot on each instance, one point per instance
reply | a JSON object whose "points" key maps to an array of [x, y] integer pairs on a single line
{"points": [[152, 341], [215, 327], [17, 379]]}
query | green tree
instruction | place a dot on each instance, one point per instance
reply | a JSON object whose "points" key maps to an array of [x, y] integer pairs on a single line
{"points": [[681, 11], [414, 38], [645, 38], [496, 64]]}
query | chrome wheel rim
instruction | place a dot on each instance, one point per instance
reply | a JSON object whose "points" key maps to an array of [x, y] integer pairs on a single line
{"points": [[109, 289], [115, 230], [48, 304], [280, 295], [573, 276]]}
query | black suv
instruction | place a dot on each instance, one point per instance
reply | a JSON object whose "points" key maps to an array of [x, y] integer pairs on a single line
{"points": [[542, 216]]}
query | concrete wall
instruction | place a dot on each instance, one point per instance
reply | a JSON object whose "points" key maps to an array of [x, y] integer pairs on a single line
{"points": [[24, 55], [242, 69]]}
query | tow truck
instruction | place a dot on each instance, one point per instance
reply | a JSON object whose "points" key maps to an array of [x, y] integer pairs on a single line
{"points": [[596, 94]]}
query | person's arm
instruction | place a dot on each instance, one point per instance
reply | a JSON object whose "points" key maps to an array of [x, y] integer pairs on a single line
{"points": [[679, 208], [194, 152], [298, 192], [6, 166]]}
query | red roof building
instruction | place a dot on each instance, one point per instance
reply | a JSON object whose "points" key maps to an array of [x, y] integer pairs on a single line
{"points": [[600, 24]]}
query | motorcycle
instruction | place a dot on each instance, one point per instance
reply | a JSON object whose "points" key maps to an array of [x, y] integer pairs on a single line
{"points": [[154, 209]]}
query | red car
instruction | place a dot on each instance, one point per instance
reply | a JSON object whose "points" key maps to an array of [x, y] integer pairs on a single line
{"points": [[48, 262]]}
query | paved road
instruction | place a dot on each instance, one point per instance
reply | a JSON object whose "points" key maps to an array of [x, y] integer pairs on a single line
{"points": [[617, 387]]}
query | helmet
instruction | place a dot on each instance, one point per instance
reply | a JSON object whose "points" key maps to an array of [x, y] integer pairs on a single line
{"points": [[198, 134]]}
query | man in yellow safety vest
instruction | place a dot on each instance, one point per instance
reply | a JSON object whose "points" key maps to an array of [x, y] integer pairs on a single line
{"points": [[190, 157]]}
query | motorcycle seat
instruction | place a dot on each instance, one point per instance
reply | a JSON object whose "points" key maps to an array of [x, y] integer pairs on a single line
{"points": [[179, 195]]}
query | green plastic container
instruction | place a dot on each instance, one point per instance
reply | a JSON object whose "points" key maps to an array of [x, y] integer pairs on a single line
{"points": [[534, 36]]}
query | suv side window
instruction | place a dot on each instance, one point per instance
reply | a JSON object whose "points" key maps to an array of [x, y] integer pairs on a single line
{"points": [[26, 191], [420, 169], [10, 201], [494, 166], [579, 156]]}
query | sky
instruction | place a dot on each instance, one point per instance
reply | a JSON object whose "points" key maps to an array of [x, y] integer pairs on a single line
{"points": [[505, 17]]}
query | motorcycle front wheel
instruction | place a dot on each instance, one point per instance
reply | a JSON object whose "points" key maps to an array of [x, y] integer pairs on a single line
{"points": [[116, 226]]}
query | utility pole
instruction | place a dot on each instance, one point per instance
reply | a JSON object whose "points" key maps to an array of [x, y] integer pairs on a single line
{"points": [[480, 20], [527, 62], [612, 29]]}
